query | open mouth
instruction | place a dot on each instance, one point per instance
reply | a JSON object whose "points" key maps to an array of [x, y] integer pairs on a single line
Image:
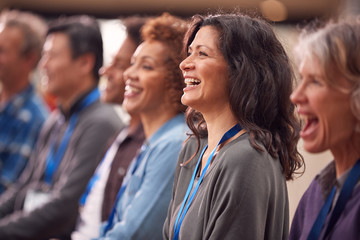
{"points": [[311, 124], [131, 90], [192, 81]]}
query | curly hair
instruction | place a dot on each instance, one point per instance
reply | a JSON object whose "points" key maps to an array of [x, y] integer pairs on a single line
{"points": [[261, 81], [169, 30], [336, 47]]}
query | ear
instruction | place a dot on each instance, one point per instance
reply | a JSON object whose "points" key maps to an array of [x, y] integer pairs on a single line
{"points": [[86, 63], [31, 60]]}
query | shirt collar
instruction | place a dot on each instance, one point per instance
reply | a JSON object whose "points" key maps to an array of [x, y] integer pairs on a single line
{"points": [[164, 128], [74, 106]]}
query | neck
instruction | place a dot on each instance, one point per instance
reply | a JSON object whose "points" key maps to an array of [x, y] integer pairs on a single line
{"points": [[346, 154], [10, 90], [134, 122], [67, 99], [218, 123], [152, 122]]}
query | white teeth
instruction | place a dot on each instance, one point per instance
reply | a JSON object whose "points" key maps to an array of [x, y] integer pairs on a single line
{"points": [[131, 89], [191, 81]]}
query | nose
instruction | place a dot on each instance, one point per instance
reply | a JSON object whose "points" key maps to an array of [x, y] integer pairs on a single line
{"points": [[298, 95], [104, 70], [187, 64], [129, 73]]}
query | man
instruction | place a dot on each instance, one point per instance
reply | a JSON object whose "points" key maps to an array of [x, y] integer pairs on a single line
{"points": [[22, 112], [106, 182], [44, 203]]}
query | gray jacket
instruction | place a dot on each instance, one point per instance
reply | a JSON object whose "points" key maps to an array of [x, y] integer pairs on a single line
{"points": [[56, 219]]}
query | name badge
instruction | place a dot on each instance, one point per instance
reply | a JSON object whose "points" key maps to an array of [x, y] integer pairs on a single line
{"points": [[35, 199]]}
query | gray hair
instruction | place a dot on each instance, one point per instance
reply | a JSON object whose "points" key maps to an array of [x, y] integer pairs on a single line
{"points": [[337, 49], [33, 28]]}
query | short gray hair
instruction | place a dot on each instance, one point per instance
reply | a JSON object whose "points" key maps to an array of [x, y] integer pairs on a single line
{"points": [[32, 26]]}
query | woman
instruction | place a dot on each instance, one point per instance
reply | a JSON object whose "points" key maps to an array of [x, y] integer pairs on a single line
{"points": [[238, 81], [153, 90], [328, 100]]}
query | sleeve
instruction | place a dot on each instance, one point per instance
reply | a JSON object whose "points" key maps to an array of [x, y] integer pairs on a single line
{"points": [[166, 226], [59, 214], [240, 198], [8, 198], [27, 131], [144, 217]]}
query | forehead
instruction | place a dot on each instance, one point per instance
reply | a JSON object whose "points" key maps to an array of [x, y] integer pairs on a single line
{"points": [[12, 36], [57, 41], [126, 49], [207, 36], [155, 50]]}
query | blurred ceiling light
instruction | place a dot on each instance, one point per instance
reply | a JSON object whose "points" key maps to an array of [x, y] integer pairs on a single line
{"points": [[273, 10]]}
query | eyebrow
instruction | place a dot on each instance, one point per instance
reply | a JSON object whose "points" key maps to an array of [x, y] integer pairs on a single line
{"points": [[146, 57], [199, 46]]}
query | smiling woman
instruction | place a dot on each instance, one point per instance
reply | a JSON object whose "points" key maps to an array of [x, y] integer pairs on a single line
{"points": [[153, 89], [238, 82], [328, 100]]}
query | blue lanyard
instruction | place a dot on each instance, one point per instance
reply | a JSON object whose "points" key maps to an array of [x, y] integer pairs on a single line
{"points": [[92, 181], [110, 221], [182, 212], [344, 196], [54, 157], [116, 144]]}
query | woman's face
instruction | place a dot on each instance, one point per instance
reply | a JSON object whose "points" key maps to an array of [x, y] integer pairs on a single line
{"points": [[206, 73], [326, 111], [145, 80]]}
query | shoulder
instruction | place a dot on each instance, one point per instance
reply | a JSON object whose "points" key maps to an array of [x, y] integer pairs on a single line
{"points": [[101, 114], [175, 133], [240, 159], [191, 145], [240, 152]]}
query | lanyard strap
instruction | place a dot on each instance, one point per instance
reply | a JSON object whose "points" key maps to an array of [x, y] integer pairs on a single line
{"points": [[110, 221], [55, 156], [344, 196], [110, 153], [320, 220], [182, 212]]}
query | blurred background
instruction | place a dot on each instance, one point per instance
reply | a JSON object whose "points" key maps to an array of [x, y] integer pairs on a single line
{"points": [[286, 15]]}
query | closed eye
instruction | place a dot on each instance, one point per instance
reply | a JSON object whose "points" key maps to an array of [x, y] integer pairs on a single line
{"points": [[201, 53]]}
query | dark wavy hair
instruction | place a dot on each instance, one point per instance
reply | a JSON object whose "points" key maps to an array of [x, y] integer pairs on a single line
{"points": [[260, 84], [170, 30]]}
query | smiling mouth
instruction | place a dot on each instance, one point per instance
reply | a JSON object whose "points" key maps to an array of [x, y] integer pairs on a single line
{"points": [[192, 81], [130, 90]]}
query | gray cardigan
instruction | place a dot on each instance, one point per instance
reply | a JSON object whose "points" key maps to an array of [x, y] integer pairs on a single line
{"points": [[95, 126], [243, 196]]}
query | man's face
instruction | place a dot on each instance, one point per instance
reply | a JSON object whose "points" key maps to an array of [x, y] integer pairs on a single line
{"points": [[115, 86], [10, 58], [62, 74]]}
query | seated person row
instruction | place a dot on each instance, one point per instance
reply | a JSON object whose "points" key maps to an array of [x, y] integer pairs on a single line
{"points": [[44, 201]]}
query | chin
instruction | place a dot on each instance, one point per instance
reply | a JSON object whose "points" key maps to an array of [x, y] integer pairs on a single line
{"points": [[313, 149]]}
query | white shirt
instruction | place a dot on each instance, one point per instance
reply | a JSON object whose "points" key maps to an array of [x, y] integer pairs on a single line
{"points": [[89, 222]]}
